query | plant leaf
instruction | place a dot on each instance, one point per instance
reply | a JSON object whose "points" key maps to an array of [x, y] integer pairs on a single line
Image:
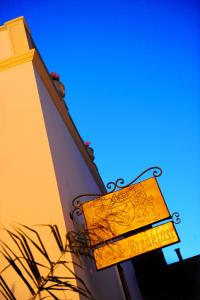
{"points": [[18, 271], [18, 259], [41, 249], [6, 289]]}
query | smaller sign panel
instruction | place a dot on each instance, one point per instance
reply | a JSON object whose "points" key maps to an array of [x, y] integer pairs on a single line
{"points": [[121, 250], [125, 210]]}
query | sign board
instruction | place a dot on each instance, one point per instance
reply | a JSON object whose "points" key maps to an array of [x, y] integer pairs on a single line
{"points": [[125, 210], [121, 250]]}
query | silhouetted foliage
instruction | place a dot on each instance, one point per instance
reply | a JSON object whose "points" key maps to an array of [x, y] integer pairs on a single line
{"points": [[42, 278]]}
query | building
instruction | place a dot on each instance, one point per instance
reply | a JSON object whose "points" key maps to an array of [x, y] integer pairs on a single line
{"points": [[44, 163], [159, 280]]}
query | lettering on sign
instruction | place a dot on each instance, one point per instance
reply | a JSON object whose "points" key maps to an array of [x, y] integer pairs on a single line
{"points": [[121, 250], [125, 210]]}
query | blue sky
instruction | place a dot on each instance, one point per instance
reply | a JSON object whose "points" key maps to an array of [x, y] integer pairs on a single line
{"points": [[131, 70]]}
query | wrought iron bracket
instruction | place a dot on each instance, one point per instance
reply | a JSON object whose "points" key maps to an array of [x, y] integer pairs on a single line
{"points": [[112, 186], [176, 218], [76, 203]]}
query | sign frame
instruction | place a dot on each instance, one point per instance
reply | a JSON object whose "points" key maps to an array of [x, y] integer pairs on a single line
{"points": [[118, 186], [130, 258]]}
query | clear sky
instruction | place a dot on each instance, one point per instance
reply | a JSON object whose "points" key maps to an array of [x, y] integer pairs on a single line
{"points": [[131, 69]]}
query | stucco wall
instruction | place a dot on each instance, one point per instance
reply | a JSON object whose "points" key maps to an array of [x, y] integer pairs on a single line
{"points": [[27, 172], [5, 45], [43, 165], [74, 178], [41, 170], [29, 193]]}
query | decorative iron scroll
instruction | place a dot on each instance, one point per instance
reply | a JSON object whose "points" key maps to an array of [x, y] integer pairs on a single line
{"points": [[176, 218], [111, 186], [78, 205], [114, 185]]}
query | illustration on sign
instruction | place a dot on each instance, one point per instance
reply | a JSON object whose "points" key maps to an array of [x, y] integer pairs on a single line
{"points": [[125, 210], [151, 239]]}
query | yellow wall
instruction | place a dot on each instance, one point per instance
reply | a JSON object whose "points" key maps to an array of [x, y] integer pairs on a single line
{"points": [[26, 164], [43, 161], [74, 178], [29, 192], [5, 45], [13, 39]]}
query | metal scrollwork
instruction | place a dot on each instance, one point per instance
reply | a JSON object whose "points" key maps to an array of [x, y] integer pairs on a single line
{"points": [[76, 203], [112, 186], [176, 218]]}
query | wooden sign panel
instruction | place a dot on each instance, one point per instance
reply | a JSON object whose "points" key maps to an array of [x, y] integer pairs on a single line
{"points": [[135, 245], [125, 210]]}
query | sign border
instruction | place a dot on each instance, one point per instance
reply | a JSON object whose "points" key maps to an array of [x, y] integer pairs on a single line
{"points": [[115, 264]]}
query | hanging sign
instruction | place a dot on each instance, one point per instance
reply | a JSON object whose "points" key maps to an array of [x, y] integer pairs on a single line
{"points": [[127, 248], [125, 210]]}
